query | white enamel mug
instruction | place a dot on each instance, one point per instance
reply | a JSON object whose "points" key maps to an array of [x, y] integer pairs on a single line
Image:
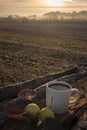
{"points": [[58, 95]]}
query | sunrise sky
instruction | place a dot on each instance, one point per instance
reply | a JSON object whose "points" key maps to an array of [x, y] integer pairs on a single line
{"points": [[39, 7]]}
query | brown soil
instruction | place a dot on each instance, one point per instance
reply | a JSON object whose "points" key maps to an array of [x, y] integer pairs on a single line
{"points": [[28, 51]]}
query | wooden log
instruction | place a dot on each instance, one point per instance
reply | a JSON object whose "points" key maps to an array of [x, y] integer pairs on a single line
{"points": [[71, 121], [41, 93], [68, 123], [74, 77], [12, 90], [51, 124]]}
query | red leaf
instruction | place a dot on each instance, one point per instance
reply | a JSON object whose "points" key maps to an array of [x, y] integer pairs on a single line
{"points": [[14, 110], [16, 116], [27, 94]]}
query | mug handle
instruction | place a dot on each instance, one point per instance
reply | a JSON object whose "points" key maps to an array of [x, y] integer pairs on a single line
{"points": [[77, 95]]}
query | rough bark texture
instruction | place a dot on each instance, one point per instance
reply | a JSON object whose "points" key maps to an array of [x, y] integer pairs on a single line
{"points": [[71, 121], [12, 90], [74, 119], [41, 92]]}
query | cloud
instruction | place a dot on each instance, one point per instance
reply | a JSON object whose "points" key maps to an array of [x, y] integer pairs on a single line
{"points": [[24, 2], [68, 0], [75, 3], [80, 1], [37, 3], [30, 6]]}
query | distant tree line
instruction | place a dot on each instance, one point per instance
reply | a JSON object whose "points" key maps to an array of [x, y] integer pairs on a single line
{"points": [[52, 17], [63, 16]]}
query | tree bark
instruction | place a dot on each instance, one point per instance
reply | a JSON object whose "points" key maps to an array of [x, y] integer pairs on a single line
{"points": [[11, 91], [41, 93], [71, 121]]}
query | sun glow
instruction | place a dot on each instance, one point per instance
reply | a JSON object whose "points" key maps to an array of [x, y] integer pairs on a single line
{"points": [[54, 2]]}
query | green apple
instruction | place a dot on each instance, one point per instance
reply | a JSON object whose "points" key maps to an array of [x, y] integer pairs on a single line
{"points": [[46, 112], [32, 110]]}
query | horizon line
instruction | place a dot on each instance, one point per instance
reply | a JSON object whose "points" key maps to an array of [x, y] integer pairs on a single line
{"points": [[56, 7]]}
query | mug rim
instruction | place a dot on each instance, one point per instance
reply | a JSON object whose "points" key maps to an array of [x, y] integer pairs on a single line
{"points": [[60, 83]]}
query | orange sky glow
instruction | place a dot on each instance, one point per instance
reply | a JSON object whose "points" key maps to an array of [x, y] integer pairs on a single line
{"points": [[39, 7]]}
